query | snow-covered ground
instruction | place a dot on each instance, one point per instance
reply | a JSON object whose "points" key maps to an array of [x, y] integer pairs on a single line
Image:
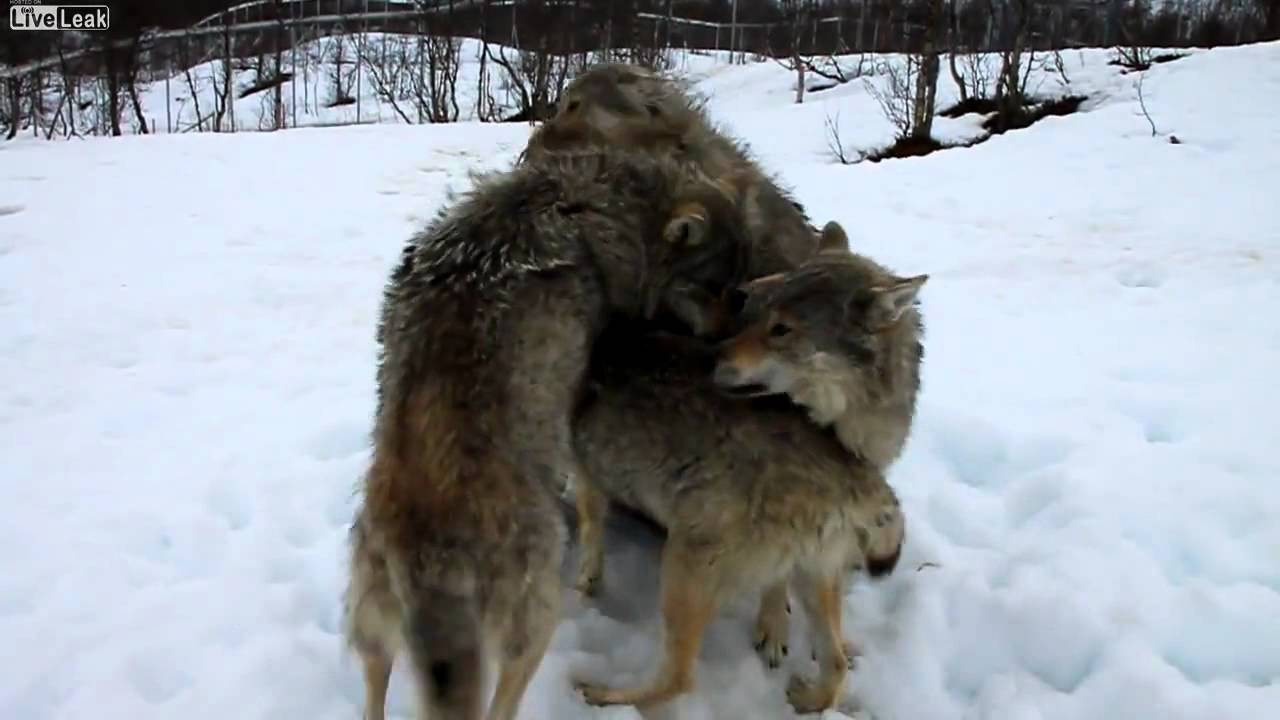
{"points": [[1092, 487]]}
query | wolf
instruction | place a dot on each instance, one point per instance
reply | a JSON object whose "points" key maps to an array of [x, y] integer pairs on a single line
{"points": [[485, 331], [757, 476], [624, 105]]}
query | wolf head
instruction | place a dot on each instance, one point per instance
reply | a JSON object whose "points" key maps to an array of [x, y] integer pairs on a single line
{"points": [[612, 94], [837, 334], [703, 251], [619, 104]]}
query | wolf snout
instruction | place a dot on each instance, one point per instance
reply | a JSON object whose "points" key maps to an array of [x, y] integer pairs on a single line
{"points": [[726, 375]]}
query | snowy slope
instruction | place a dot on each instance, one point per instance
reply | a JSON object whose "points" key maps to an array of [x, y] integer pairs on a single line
{"points": [[186, 336]]}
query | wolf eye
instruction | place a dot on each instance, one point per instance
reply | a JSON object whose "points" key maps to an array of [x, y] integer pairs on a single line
{"points": [[778, 330], [573, 106]]}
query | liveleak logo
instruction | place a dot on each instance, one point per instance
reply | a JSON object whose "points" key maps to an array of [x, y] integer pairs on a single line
{"points": [[27, 15]]}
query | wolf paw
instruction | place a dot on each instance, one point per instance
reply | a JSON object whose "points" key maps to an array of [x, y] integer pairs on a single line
{"points": [[593, 694], [851, 653], [589, 583], [601, 696], [805, 696], [771, 640]]}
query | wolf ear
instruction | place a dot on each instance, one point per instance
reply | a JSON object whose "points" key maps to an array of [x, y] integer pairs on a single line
{"points": [[833, 238], [686, 230], [891, 301]]}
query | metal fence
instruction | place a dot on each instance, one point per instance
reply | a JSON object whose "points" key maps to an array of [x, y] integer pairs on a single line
{"points": [[264, 36]]}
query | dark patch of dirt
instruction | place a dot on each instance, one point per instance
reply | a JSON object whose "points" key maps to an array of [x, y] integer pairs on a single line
{"points": [[905, 148], [1032, 113], [971, 106], [1140, 66], [997, 123]]}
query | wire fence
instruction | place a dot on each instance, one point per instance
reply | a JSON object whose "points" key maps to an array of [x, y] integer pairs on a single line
{"points": [[310, 62]]}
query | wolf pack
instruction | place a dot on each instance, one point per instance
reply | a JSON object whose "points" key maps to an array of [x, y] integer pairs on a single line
{"points": [[634, 315]]}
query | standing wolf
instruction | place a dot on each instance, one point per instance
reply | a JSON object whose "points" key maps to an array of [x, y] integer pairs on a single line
{"points": [[623, 105], [752, 493], [486, 329]]}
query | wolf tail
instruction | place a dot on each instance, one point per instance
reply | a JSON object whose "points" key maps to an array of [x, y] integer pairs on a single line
{"points": [[442, 633]]}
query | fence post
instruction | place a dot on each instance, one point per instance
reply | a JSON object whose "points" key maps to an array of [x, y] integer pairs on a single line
{"points": [[733, 34], [293, 62], [168, 111], [862, 19]]}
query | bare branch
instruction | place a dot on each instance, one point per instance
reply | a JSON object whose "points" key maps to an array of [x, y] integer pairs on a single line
{"points": [[1142, 103], [834, 142]]}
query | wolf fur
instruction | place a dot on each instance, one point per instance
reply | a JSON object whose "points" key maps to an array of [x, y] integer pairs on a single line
{"points": [[485, 332], [752, 492], [843, 337], [624, 105]]}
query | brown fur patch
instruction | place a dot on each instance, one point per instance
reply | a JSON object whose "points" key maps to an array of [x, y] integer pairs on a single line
{"points": [[690, 209], [746, 349]]}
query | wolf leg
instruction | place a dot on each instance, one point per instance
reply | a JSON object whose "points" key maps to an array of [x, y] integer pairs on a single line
{"points": [[689, 603], [593, 508], [822, 603], [535, 623], [377, 675], [773, 624]]}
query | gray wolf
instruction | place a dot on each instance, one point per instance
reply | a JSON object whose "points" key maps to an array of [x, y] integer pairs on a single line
{"points": [[758, 477], [485, 332]]}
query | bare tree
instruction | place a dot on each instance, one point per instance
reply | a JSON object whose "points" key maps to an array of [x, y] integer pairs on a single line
{"points": [[277, 115], [341, 72], [392, 69], [225, 102], [797, 13], [969, 69], [13, 117], [830, 67], [131, 68], [909, 101], [486, 105], [443, 62], [926, 88], [896, 98], [1131, 53], [533, 78], [1013, 18]]}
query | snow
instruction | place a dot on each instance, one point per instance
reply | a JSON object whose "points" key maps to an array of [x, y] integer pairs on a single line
{"points": [[186, 334]]}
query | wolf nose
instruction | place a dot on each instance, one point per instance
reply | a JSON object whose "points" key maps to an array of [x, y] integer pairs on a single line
{"points": [[726, 375]]}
